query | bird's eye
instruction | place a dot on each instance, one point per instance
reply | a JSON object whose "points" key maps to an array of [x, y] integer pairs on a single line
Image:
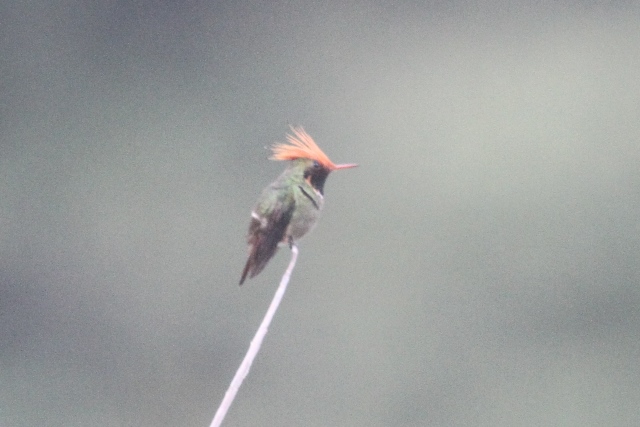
{"points": [[316, 164]]}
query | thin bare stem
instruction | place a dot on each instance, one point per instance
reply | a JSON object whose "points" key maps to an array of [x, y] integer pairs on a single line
{"points": [[254, 347]]}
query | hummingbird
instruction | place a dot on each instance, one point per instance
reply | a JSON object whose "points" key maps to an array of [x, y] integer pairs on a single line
{"points": [[289, 207]]}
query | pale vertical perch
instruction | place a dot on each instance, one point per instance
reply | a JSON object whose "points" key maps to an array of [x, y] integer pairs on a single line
{"points": [[254, 347]]}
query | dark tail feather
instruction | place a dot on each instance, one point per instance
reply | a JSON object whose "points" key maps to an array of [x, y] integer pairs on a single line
{"points": [[245, 271], [261, 253]]}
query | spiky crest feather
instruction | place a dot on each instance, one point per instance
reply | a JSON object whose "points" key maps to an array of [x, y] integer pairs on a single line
{"points": [[300, 145]]}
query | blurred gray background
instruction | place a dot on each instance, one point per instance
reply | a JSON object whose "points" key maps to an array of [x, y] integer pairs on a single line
{"points": [[481, 267]]}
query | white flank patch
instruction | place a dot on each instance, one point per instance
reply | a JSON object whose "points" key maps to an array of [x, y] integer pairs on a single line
{"points": [[263, 220]]}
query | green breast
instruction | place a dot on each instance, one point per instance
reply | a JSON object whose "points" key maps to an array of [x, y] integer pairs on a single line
{"points": [[307, 211]]}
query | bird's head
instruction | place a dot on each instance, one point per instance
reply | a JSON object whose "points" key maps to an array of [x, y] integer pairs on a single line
{"points": [[307, 157]]}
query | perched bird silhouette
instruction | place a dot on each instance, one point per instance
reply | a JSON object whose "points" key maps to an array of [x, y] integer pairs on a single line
{"points": [[289, 207]]}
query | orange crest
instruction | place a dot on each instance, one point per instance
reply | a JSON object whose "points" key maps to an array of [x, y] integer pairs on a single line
{"points": [[300, 145]]}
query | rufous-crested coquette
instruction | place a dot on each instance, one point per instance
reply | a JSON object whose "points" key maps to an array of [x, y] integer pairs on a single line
{"points": [[290, 206]]}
